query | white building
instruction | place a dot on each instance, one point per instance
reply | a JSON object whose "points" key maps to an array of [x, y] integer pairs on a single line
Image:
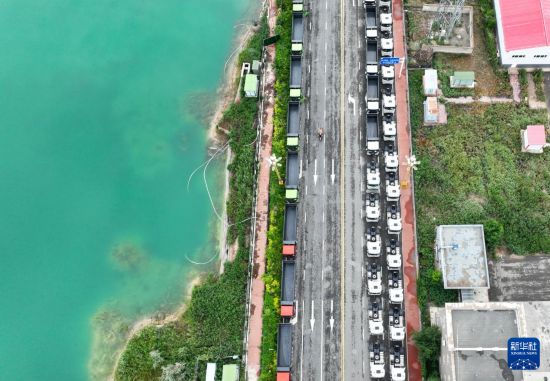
{"points": [[429, 81], [523, 33]]}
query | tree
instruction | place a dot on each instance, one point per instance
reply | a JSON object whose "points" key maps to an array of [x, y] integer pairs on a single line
{"points": [[428, 341]]}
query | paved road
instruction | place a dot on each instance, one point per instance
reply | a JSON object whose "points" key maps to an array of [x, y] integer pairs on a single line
{"points": [[355, 341], [316, 350], [318, 330]]}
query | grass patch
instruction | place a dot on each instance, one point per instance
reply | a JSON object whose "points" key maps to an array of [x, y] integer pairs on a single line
{"points": [[211, 328], [444, 72], [523, 84], [270, 314], [472, 171]]}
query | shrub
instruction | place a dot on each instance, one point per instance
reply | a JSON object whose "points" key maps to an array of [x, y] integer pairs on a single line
{"points": [[494, 231], [428, 342]]}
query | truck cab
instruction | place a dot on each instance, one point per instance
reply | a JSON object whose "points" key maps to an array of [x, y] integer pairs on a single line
{"points": [[388, 104], [373, 207], [397, 362], [374, 279], [376, 357], [391, 162], [393, 255], [374, 244], [394, 218], [386, 19], [397, 323], [392, 187], [395, 283], [390, 130], [388, 74], [376, 327], [373, 176], [386, 43]]}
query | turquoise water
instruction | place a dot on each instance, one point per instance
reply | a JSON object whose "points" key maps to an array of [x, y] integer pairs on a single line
{"points": [[103, 108]]}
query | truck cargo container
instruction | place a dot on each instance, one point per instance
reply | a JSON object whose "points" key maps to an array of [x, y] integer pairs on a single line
{"points": [[295, 76], [291, 179], [373, 93], [293, 125], [373, 139], [372, 57], [284, 351], [289, 231], [287, 288], [297, 32], [372, 21]]}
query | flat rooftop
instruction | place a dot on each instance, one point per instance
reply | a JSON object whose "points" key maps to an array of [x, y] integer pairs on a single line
{"points": [[476, 329], [475, 337], [462, 257]]}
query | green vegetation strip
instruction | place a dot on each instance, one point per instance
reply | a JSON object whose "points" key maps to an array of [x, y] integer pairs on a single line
{"points": [[276, 197], [211, 328], [472, 171], [538, 78]]}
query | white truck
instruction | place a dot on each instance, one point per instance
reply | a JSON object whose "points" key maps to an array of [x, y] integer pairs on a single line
{"points": [[395, 283]]}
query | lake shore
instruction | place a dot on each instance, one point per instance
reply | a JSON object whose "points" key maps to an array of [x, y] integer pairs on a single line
{"points": [[226, 95]]}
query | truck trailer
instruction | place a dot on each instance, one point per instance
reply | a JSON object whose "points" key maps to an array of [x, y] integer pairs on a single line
{"points": [[295, 76], [291, 180], [287, 288], [373, 140], [372, 57], [289, 231], [373, 93], [297, 37], [372, 21], [284, 351], [293, 125]]}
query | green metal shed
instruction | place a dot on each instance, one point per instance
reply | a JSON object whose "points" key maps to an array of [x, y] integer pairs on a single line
{"points": [[251, 85], [463, 79], [230, 372]]}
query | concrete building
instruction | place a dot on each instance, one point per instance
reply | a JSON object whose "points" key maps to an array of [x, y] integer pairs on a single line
{"points": [[533, 139], [429, 82], [475, 336], [434, 112], [251, 84], [463, 79], [523, 33], [256, 67], [211, 371], [461, 257]]}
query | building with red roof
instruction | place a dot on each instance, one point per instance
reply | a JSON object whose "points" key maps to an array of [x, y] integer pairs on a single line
{"points": [[533, 139], [523, 32]]}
